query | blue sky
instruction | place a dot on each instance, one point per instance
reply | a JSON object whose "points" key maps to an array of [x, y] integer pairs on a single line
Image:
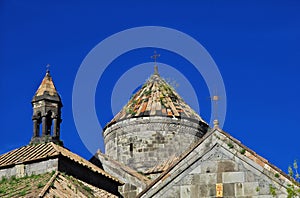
{"points": [[256, 47]]}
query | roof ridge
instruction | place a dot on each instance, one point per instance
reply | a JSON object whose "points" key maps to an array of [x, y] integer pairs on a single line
{"points": [[25, 154], [49, 183], [72, 156], [259, 157], [28, 154]]}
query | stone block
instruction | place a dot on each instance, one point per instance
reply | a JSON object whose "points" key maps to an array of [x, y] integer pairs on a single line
{"points": [[185, 191], [204, 190], [208, 178], [233, 177], [20, 170], [196, 179], [239, 189], [211, 189], [226, 166], [187, 180], [264, 196], [251, 176], [228, 190], [196, 169], [219, 178], [195, 191], [209, 167], [131, 194], [250, 188]]}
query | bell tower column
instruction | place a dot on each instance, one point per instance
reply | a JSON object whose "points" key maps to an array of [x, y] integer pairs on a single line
{"points": [[35, 127], [44, 126], [56, 127]]}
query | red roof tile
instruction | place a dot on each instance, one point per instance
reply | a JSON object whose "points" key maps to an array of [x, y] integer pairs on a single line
{"points": [[156, 98]]}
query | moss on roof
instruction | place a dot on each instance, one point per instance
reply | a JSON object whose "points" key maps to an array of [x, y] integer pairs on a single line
{"points": [[27, 186], [156, 98], [55, 184]]}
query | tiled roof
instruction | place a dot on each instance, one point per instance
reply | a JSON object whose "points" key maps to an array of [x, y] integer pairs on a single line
{"points": [[29, 186], [49, 185], [67, 186], [39, 152], [161, 167], [156, 98], [28, 153], [46, 89]]}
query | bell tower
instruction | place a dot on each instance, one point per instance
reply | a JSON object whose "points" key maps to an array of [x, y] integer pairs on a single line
{"points": [[46, 104]]}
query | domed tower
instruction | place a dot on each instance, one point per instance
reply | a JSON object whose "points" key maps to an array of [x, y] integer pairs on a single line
{"points": [[46, 104], [155, 124]]}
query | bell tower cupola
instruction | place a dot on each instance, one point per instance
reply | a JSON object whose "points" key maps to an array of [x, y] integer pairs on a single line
{"points": [[46, 104]]}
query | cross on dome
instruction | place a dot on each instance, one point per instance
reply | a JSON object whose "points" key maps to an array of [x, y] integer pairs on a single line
{"points": [[155, 56]]}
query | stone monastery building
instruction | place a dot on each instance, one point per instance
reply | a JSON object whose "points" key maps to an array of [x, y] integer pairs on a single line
{"points": [[156, 146]]}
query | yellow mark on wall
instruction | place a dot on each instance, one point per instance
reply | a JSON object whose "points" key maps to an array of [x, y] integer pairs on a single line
{"points": [[219, 190]]}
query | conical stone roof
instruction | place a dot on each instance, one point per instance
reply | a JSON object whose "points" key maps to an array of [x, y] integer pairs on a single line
{"points": [[46, 90], [156, 98]]}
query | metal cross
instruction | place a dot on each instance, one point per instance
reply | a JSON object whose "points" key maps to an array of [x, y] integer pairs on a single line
{"points": [[215, 98], [155, 56], [48, 67]]}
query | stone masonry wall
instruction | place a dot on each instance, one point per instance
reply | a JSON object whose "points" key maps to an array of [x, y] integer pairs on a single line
{"points": [[236, 178], [21, 170], [218, 167], [141, 143]]}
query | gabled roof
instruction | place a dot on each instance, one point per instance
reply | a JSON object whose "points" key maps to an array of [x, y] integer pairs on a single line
{"points": [[27, 154], [156, 98], [223, 139], [46, 90], [53, 184], [39, 152]]}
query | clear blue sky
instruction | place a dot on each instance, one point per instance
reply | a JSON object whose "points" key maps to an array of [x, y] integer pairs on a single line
{"points": [[255, 45]]}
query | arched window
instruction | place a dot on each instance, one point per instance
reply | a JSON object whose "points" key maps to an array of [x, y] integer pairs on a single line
{"points": [[39, 121], [48, 122], [131, 149]]}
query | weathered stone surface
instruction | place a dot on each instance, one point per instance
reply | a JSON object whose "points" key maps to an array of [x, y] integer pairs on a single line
{"points": [[226, 166], [208, 178], [233, 177], [228, 190], [239, 189], [250, 188], [21, 170], [141, 143], [134, 181], [216, 164]]}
